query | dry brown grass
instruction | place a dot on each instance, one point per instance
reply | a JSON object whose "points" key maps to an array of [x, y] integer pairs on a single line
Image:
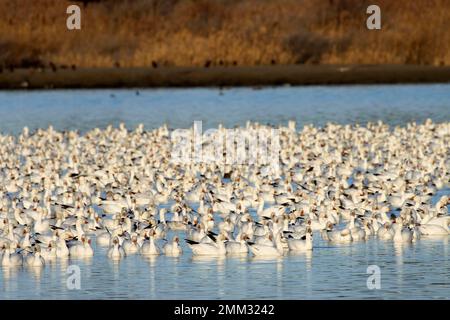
{"points": [[228, 32]]}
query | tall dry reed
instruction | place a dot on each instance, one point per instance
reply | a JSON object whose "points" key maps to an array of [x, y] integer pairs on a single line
{"points": [[223, 32]]}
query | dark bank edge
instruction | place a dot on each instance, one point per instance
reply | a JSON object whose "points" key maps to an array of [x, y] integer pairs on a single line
{"points": [[149, 77]]}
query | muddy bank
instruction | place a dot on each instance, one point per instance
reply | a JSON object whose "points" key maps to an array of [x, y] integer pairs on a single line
{"points": [[221, 76]]}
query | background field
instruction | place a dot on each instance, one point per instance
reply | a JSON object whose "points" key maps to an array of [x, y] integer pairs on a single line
{"points": [[140, 33]]}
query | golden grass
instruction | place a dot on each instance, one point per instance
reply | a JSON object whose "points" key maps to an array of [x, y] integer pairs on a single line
{"points": [[135, 33]]}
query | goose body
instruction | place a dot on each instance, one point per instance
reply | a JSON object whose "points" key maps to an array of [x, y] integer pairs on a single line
{"points": [[172, 248], [338, 236], [237, 247], [430, 229], [275, 249], [401, 234], [81, 248], [149, 247], [304, 244], [35, 259], [116, 252], [214, 248], [131, 246], [349, 182], [10, 258]]}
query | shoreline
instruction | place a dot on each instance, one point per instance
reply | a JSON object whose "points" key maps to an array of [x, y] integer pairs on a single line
{"points": [[148, 77]]}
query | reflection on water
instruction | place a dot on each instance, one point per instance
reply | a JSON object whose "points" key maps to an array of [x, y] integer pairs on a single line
{"points": [[418, 270]]}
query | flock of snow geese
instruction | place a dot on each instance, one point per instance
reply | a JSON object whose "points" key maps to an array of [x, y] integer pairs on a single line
{"points": [[59, 191]]}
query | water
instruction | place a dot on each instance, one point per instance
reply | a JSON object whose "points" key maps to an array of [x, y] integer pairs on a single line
{"points": [[179, 108], [416, 271]]}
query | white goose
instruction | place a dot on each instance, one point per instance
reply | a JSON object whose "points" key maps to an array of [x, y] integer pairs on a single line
{"points": [[49, 252], [131, 246], [304, 244], [35, 259], [81, 248], [62, 251], [386, 232], [338, 236], [430, 229], [276, 249], [10, 257], [216, 248], [238, 247], [116, 252], [357, 232], [149, 246], [401, 234], [173, 248]]}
